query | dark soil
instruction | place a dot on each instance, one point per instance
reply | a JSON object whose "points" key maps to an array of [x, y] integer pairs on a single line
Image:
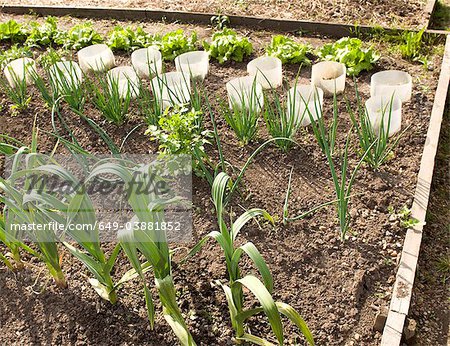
{"points": [[397, 13], [337, 287]]}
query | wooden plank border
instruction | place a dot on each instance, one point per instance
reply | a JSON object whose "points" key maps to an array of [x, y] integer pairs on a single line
{"points": [[402, 292], [428, 10], [401, 296], [136, 14]]}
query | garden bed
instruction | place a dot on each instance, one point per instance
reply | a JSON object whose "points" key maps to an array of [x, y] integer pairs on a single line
{"points": [[337, 287], [398, 13]]}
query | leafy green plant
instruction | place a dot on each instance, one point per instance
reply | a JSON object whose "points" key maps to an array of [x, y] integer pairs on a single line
{"points": [[15, 52], [220, 21], [42, 34], [180, 132], [288, 50], [226, 237], [79, 36], [412, 44], [128, 38], [278, 120], [175, 43], [52, 56], [381, 146], [12, 31], [406, 220], [226, 45], [351, 53]]}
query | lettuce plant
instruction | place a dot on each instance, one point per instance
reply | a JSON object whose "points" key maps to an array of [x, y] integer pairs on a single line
{"points": [[226, 45], [175, 43], [128, 38], [79, 36], [351, 53], [42, 34], [15, 52], [12, 31], [288, 51]]}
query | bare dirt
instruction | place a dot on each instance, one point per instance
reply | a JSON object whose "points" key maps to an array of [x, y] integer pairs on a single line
{"points": [[337, 287], [396, 13]]}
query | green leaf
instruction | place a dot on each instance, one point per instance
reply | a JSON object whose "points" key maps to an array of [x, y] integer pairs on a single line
{"points": [[247, 216], [295, 317], [252, 252], [255, 340], [267, 303]]}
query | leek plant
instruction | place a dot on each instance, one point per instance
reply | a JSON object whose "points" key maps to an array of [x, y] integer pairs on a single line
{"points": [[21, 209], [243, 113], [74, 209], [70, 209], [12, 259], [381, 147], [342, 182], [262, 290], [151, 243]]}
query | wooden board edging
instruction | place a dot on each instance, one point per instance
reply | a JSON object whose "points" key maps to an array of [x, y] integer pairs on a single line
{"points": [[429, 9], [138, 14], [403, 286]]}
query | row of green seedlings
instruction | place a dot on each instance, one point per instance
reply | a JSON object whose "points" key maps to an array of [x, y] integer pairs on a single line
{"points": [[25, 205], [67, 83], [179, 129], [375, 146], [226, 45]]}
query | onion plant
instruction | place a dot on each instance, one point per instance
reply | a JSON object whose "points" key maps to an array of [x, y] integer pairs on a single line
{"points": [[327, 139], [108, 99], [381, 146], [243, 113], [150, 242], [343, 183], [279, 121], [46, 92], [262, 290], [66, 82], [166, 95], [17, 93]]}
